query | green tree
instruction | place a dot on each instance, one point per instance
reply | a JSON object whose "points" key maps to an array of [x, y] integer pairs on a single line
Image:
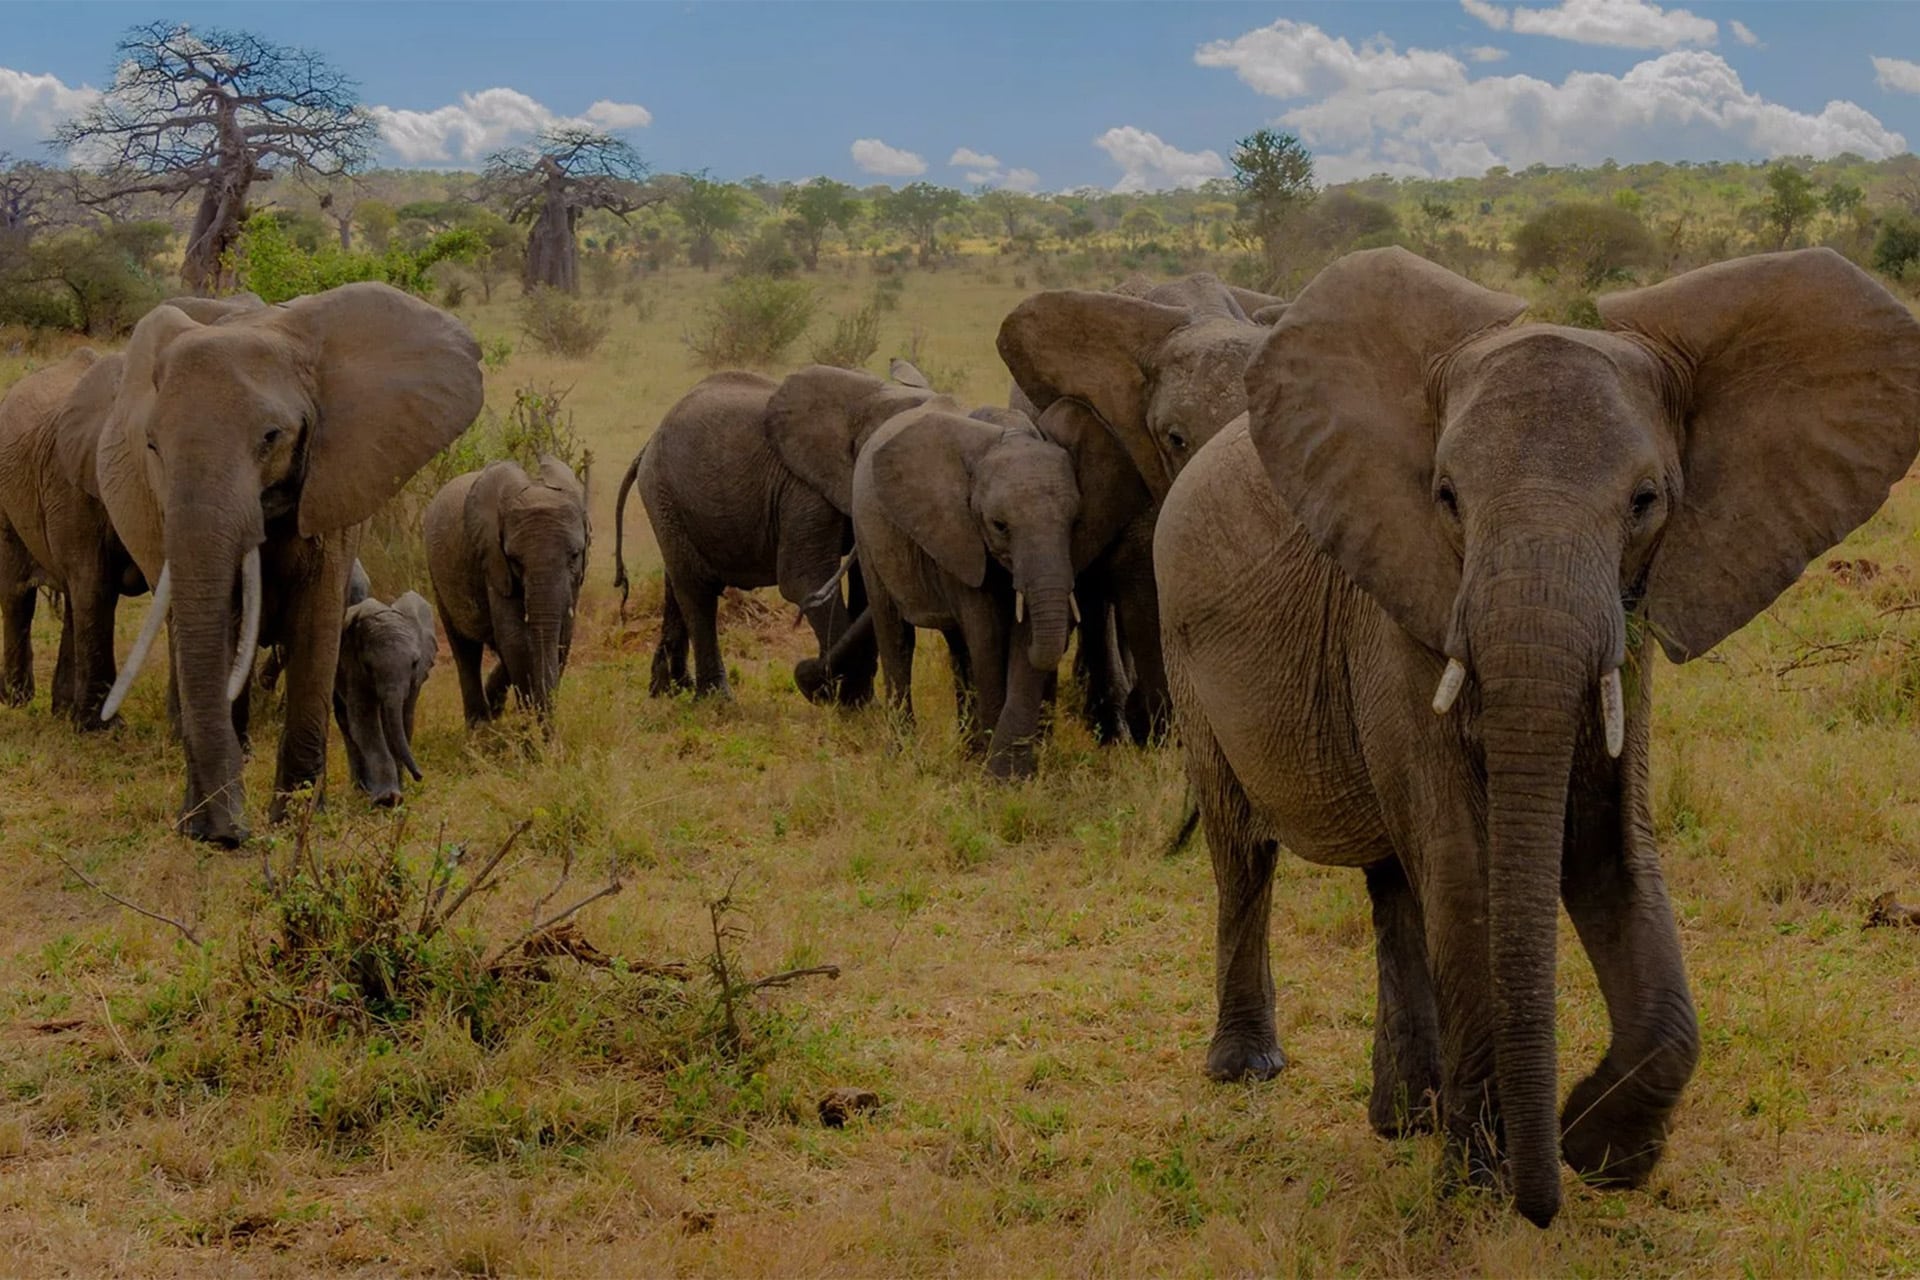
{"points": [[708, 210], [821, 204], [917, 209], [1790, 204], [1273, 175], [1141, 224], [1585, 243], [376, 220], [1010, 208], [1842, 198]]}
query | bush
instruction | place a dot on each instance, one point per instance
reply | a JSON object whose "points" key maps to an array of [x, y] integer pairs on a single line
{"points": [[887, 291], [1585, 244], [96, 282], [752, 321], [854, 340], [1898, 245], [560, 324], [770, 254], [269, 262]]}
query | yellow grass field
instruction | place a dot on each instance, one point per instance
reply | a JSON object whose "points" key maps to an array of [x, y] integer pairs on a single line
{"points": [[1025, 974]]}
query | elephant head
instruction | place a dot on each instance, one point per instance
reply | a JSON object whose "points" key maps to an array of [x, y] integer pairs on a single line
{"points": [[1517, 498], [965, 490], [822, 416], [386, 654], [1163, 371], [533, 534], [290, 422]]}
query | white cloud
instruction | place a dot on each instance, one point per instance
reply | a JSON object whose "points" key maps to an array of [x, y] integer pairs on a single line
{"points": [[31, 105], [1378, 110], [1149, 164], [1486, 53], [967, 157], [875, 156], [484, 122], [1896, 75], [1021, 180], [619, 115], [1743, 33], [983, 170], [1623, 24]]}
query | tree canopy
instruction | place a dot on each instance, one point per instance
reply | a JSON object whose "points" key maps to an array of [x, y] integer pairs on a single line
{"points": [[567, 169]]}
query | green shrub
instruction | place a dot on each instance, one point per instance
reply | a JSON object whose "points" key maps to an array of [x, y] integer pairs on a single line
{"points": [[854, 340], [1898, 245], [770, 254], [752, 321], [1584, 244], [562, 325], [270, 262]]}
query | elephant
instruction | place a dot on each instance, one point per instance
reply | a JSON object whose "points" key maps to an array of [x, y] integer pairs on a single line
{"points": [[748, 483], [1156, 366], [386, 654], [55, 532], [237, 462], [1428, 509], [966, 526], [507, 552]]}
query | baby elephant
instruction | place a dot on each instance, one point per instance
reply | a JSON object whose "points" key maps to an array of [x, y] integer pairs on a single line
{"points": [[965, 526], [386, 653], [506, 552]]}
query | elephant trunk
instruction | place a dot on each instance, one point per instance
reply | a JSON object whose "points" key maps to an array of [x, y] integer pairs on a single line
{"points": [[213, 562], [548, 604], [1043, 583], [393, 727], [1544, 627]]}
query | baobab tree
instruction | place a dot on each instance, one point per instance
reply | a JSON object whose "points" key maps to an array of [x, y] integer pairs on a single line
{"points": [[568, 169], [213, 112]]}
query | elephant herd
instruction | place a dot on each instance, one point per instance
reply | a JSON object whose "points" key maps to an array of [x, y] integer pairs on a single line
{"points": [[1388, 566]]}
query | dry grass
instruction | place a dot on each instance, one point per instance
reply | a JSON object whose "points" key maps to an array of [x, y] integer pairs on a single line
{"points": [[1026, 980]]}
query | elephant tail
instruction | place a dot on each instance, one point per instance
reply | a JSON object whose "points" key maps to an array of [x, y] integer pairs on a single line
{"points": [[1189, 823], [620, 527], [831, 588]]}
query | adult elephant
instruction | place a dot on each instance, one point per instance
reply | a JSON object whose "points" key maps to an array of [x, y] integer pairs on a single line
{"points": [[1157, 367], [55, 532], [1424, 499], [748, 483], [237, 463]]}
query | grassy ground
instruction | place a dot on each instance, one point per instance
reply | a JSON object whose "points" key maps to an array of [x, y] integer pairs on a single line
{"points": [[1025, 976]]}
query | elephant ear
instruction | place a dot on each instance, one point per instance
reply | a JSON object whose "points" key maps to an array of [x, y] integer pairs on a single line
{"points": [[1340, 412], [818, 418], [907, 374], [483, 516], [923, 476], [415, 608], [396, 380], [1111, 491], [214, 310], [82, 417], [1801, 394], [1095, 347]]}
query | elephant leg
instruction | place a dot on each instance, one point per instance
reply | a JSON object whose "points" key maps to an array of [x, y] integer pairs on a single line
{"points": [[670, 655], [700, 603], [1016, 732], [499, 684], [1614, 1126], [1102, 692], [16, 621], [94, 606], [242, 710], [856, 657], [63, 663], [894, 638], [467, 654], [1406, 1024], [988, 642], [966, 694], [311, 628], [1137, 613], [1453, 901]]}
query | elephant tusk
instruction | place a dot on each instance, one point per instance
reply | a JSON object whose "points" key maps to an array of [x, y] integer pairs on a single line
{"points": [[1019, 607], [1450, 681], [156, 614], [1073, 610], [249, 624], [1613, 711]]}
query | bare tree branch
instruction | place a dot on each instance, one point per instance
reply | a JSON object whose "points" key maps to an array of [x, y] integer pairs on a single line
{"points": [[134, 907]]}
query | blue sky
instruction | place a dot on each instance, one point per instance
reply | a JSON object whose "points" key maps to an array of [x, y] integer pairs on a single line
{"points": [[1054, 96]]}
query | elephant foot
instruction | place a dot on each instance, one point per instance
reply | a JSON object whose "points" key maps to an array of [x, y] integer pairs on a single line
{"points": [[719, 689], [814, 680], [224, 833], [1013, 764], [17, 695], [1608, 1137], [1234, 1058], [1399, 1109]]}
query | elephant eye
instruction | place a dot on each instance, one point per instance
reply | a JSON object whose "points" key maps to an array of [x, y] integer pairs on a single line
{"points": [[1643, 499], [1000, 527], [1447, 498], [1178, 441]]}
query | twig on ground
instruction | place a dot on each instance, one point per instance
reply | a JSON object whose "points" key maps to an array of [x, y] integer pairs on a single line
{"points": [[793, 975], [185, 931], [479, 881]]}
